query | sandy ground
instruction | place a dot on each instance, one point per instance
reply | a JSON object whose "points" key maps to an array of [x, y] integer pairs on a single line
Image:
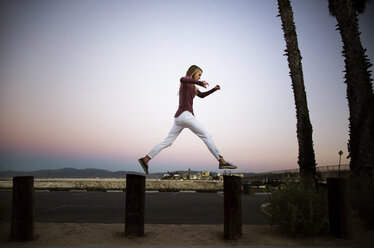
{"points": [[84, 234]]}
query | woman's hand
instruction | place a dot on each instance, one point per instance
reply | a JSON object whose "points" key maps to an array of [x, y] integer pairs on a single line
{"points": [[205, 84], [217, 87]]}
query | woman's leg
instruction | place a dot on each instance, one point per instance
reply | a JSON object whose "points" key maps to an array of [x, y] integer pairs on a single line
{"points": [[199, 130], [173, 134]]}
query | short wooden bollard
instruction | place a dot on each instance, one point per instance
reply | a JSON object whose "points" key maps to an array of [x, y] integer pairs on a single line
{"points": [[22, 226], [339, 202], [232, 207], [135, 204], [247, 188]]}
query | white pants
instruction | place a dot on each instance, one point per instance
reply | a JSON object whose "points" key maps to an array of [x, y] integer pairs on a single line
{"points": [[186, 119]]}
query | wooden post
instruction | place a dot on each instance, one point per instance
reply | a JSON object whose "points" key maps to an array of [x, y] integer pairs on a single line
{"points": [[232, 207], [22, 226], [135, 204], [247, 188], [339, 203]]}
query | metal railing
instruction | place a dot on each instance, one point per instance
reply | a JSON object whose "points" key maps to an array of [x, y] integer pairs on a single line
{"points": [[327, 168], [330, 168], [293, 174]]}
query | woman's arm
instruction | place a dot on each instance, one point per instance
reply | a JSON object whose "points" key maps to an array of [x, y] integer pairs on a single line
{"points": [[189, 80], [207, 93]]}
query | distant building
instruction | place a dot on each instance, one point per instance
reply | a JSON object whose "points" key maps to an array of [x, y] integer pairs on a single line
{"points": [[193, 176], [206, 175], [167, 176], [185, 176], [172, 176]]}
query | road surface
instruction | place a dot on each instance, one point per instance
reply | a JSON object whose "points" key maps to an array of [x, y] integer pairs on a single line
{"points": [[160, 208]]}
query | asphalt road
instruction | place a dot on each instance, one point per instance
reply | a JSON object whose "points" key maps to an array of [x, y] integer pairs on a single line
{"points": [[161, 208]]}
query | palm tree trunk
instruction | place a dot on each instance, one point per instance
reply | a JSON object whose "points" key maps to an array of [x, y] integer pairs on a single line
{"points": [[359, 90], [361, 109], [306, 161]]}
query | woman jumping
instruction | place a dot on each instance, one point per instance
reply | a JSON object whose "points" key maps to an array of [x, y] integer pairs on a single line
{"points": [[184, 118]]}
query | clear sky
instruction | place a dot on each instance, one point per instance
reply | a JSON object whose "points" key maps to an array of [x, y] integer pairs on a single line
{"points": [[93, 84]]}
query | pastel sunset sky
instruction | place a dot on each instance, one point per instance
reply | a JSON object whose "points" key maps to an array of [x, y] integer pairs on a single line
{"points": [[94, 83]]}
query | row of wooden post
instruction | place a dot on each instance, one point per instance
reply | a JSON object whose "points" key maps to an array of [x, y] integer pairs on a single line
{"points": [[135, 205], [22, 226]]}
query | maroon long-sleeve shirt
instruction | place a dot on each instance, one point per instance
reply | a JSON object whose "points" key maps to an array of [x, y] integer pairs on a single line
{"points": [[187, 94]]}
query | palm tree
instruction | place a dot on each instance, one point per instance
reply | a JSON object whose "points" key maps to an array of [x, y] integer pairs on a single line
{"points": [[359, 87], [307, 162], [360, 101]]}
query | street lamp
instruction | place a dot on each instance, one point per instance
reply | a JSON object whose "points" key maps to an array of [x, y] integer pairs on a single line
{"points": [[340, 159]]}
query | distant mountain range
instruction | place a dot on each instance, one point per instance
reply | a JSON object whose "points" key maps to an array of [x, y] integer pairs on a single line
{"points": [[68, 173], [82, 173]]}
